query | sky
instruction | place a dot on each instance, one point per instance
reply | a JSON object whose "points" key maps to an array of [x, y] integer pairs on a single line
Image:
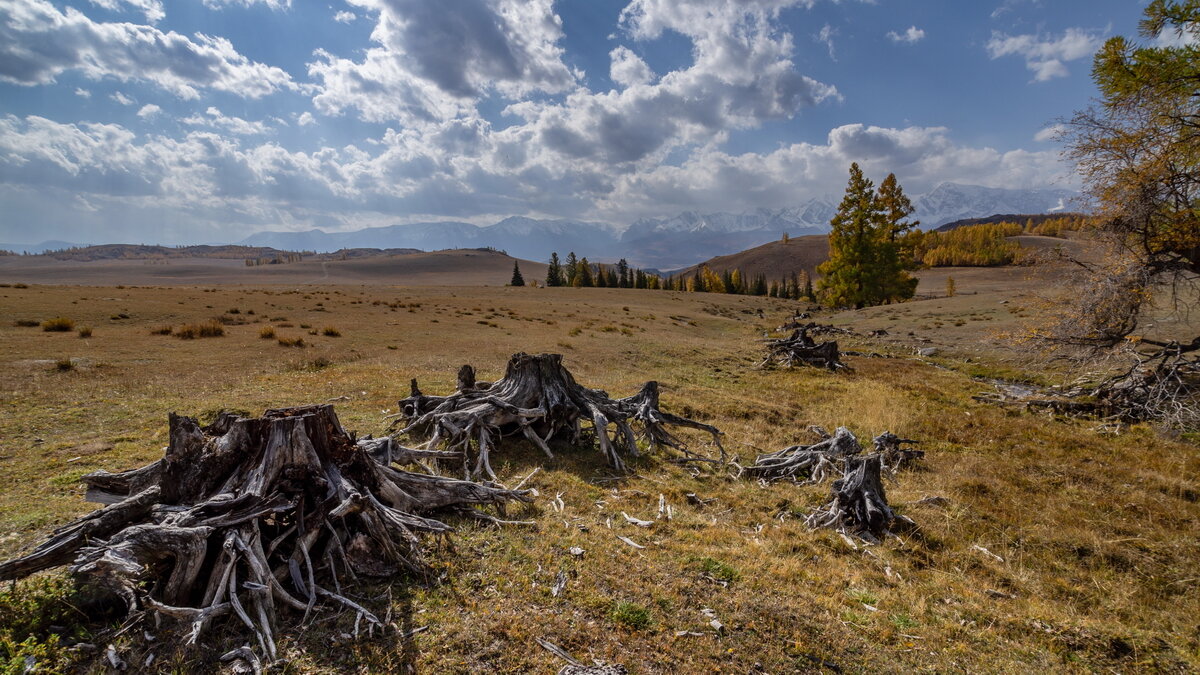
{"points": [[201, 121]]}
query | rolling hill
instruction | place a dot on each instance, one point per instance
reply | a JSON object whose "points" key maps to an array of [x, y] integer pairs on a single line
{"points": [[775, 260]]}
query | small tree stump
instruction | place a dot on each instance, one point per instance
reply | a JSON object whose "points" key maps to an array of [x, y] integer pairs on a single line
{"points": [[249, 514], [800, 348], [806, 463], [859, 506], [538, 399]]}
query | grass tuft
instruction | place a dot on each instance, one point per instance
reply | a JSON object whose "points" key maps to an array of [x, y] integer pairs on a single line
{"points": [[631, 615], [267, 332], [26, 323], [59, 324], [191, 331], [290, 341], [85, 331], [330, 331]]}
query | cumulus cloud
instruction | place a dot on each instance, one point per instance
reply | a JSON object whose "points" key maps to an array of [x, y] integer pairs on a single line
{"points": [[234, 125], [121, 98], [345, 17], [38, 42], [148, 111], [505, 46], [153, 9], [1050, 133], [628, 68], [911, 36], [825, 37], [82, 93], [273, 4], [306, 118], [1045, 55]]}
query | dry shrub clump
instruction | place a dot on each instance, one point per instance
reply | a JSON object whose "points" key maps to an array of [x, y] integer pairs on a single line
{"points": [[191, 331], [59, 324], [85, 331], [26, 323], [163, 330], [331, 331], [266, 332], [290, 341]]}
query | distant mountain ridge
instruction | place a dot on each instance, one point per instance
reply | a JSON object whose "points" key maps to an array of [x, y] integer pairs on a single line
{"points": [[671, 242]]}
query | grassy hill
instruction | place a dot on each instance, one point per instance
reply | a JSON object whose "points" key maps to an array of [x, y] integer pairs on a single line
{"points": [[453, 267], [1057, 549], [775, 260]]}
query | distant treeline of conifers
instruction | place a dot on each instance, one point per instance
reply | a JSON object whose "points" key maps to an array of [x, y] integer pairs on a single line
{"points": [[984, 245]]}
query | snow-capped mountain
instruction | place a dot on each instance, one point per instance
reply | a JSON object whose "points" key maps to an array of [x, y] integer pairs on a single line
{"points": [[663, 243], [951, 201]]}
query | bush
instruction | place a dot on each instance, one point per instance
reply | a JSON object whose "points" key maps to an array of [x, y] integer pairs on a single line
{"points": [[191, 331], [64, 365], [85, 331], [162, 330], [26, 323], [59, 324], [291, 342], [631, 615], [330, 331], [719, 570], [266, 332]]}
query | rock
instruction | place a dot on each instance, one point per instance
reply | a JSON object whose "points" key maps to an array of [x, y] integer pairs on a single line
{"points": [[928, 351]]}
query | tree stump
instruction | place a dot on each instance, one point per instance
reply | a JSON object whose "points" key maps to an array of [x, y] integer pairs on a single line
{"points": [[806, 463], [799, 347], [539, 400], [249, 514], [859, 506]]}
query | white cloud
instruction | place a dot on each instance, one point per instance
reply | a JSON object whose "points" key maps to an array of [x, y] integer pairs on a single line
{"points": [[345, 17], [273, 4], [234, 125], [306, 118], [1045, 55], [1171, 37], [825, 37], [911, 36], [82, 93], [121, 98], [1050, 133], [628, 69], [125, 52], [505, 46], [149, 111], [153, 9]]}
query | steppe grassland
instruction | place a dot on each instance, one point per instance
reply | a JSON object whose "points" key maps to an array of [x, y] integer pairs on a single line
{"points": [[1097, 534]]}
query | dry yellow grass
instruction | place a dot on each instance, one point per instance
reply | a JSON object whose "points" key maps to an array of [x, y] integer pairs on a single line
{"points": [[1097, 536]]}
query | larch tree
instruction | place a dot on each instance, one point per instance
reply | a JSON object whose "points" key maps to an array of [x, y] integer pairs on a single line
{"points": [[554, 273]]}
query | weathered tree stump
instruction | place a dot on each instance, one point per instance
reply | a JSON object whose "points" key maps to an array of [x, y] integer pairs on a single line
{"points": [[538, 399], [859, 506], [807, 464], [249, 514], [800, 348]]}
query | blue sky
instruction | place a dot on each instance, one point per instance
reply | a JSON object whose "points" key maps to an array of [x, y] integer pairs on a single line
{"points": [[206, 120]]}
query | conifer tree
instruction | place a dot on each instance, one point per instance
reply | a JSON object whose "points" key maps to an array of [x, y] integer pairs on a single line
{"points": [[572, 269], [517, 279], [554, 273], [623, 274], [583, 274]]}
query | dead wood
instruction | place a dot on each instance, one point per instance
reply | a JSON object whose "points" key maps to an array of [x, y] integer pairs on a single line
{"points": [[800, 348], [539, 400], [248, 515], [859, 506], [815, 463]]}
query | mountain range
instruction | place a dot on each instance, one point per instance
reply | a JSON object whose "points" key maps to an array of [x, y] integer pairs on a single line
{"points": [[654, 243]]}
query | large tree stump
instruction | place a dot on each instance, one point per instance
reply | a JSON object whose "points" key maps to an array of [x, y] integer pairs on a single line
{"points": [[249, 514], [859, 506], [800, 348], [539, 400]]}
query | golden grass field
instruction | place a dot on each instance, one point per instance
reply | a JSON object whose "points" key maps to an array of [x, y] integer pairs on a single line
{"points": [[1092, 541]]}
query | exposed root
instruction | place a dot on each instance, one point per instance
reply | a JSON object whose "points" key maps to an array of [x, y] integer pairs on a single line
{"points": [[800, 348]]}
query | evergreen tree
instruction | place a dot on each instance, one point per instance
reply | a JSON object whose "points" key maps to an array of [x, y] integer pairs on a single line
{"points": [[554, 274], [583, 275], [600, 277], [572, 269], [517, 279], [760, 285], [623, 274], [865, 265]]}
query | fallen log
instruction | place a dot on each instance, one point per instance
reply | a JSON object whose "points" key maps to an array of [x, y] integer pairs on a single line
{"points": [[248, 515], [807, 464], [799, 347], [539, 400]]}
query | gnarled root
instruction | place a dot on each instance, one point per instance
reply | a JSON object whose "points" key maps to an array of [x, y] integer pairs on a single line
{"points": [[248, 514], [539, 400], [800, 348], [859, 506]]}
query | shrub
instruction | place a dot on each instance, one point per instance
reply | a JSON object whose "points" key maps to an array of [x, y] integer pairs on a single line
{"points": [[26, 323], [719, 570], [631, 615], [266, 332], [291, 342], [64, 365], [59, 324], [162, 330], [85, 331], [330, 331], [191, 331]]}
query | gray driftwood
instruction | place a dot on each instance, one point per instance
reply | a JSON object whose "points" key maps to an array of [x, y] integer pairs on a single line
{"points": [[539, 400], [250, 515], [801, 348]]}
